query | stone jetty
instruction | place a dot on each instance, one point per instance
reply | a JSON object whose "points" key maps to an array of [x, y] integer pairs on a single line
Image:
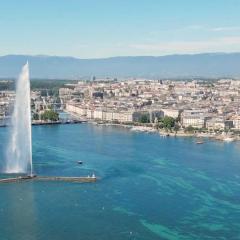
{"points": [[88, 179]]}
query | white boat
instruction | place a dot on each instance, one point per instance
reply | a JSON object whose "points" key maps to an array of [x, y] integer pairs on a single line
{"points": [[228, 139]]}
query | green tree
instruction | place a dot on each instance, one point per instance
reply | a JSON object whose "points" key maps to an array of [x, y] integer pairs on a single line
{"points": [[50, 115], [189, 129], [144, 119], [176, 128], [35, 116], [168, 122]]}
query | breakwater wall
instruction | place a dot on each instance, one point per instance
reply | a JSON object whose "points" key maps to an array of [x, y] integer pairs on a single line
{"points": [[48, 178]]}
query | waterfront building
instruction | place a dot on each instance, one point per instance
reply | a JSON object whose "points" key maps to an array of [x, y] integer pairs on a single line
{"points": [[174, 113], [109, 116], [215, 123], [236, 122], [199, 103], [90, 113], [99, 114], [77, 109], [194, 121]]}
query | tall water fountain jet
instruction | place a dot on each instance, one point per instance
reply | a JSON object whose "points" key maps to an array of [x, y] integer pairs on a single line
{"points": [[19, 150]]}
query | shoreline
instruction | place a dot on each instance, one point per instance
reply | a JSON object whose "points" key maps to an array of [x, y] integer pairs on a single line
{"points": [[147, 129], [50, 123], [143, 129]]}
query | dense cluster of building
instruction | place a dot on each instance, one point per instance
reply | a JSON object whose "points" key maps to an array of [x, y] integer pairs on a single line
{"points": [[213, 105], [6, 98], [39, 104]]}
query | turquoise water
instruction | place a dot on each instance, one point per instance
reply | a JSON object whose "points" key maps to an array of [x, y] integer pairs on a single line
{"points": [[150, 188]]}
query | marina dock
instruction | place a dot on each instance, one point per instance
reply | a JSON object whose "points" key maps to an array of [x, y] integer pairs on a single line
{"points": [[87, 179]]}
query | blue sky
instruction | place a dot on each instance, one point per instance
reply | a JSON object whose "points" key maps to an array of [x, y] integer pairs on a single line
{"points": [[104, 28]]}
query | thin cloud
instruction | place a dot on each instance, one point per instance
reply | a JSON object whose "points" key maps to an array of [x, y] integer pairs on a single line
{"points": [[220, 44], [225, 29], [209, 29]]}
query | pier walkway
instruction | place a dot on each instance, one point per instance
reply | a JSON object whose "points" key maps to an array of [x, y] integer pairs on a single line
{"points": [[87, 179]]}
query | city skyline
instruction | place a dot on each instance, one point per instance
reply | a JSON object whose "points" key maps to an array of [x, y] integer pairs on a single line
{"points": [[96, 29]]}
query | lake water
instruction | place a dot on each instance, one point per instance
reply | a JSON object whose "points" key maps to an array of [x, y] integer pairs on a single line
{"points": [[150, 187]]}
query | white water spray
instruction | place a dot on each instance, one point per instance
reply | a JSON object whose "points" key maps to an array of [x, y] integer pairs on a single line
{"points": [[19, 150]]}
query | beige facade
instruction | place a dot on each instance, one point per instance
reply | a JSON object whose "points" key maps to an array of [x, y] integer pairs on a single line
{"points": [[174, 113], [99, 114], [65, 94], [194, 121], [236, 122], [90, 113], [123, 116], [112, 115], [215, 123], [78, 109], [109, 116]]}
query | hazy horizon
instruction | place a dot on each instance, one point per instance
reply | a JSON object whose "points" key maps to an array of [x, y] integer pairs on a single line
{"points": [[119, 56], [171, 66]]}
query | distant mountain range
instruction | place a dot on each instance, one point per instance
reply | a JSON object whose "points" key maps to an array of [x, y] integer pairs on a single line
{"points": [[172, 66]]}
